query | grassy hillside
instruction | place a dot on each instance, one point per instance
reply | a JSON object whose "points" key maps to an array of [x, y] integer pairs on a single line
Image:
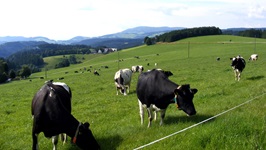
{"points": [[50, 62], [115, 120]]}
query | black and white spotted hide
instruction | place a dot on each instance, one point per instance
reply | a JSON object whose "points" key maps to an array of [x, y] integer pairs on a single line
{"points": [[238, 65]]}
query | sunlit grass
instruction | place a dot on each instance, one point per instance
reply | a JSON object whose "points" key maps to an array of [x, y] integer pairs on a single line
{"points": [[115, 120]]}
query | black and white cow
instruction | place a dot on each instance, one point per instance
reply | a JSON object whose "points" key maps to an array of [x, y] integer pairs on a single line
{"points": [[122, 80], [155, 92], [51, 110], [253, 57], [137, 68], [238, 65]]}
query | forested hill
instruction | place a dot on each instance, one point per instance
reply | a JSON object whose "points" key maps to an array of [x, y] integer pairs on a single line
{"points": [[9, 48], [186, 33], [35, 56]]}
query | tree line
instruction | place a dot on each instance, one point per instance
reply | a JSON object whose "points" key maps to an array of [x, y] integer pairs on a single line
{"points": [[25, 62], [35, 55], [202, 31], [257, 33], [182, 34]]}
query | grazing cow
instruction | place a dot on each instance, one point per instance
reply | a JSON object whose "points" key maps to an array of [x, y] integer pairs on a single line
{"points": [[218, 58], [96, 73], [253, 57], [122, 81], [155, 92], [137, 68], [61, 78], [51, 110], [238, 65]]}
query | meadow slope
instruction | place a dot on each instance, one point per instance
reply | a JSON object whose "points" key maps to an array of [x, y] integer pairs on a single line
{"points": [[115, 120]]}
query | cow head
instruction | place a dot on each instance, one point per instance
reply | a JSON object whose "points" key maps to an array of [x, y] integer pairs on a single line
{"points": [[184, 99], [85, 138], [140, 69], [234, 61]]}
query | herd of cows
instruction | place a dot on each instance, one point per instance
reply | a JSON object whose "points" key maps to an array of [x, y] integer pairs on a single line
{"points": [[51, 105]]}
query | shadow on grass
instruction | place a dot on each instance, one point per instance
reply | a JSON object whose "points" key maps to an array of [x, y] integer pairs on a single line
{"points": [[132, 92], [110, 143], [195, 119], [255, 78]]}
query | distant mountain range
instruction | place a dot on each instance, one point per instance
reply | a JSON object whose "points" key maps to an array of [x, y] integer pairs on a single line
{"points": [[132, 33], [125, 39]]}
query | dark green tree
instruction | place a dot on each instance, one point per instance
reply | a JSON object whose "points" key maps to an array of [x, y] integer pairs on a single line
{"points": [[3, 77], [148, 41], [25, 71], [3, 66], [63, 63], [72, 59], [12, 74]]}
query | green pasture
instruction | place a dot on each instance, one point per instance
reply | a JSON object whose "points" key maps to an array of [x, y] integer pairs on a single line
{"points": [[115, 120]]}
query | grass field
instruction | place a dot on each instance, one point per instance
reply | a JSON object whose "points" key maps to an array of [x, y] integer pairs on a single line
{"points": [[115, 120]]}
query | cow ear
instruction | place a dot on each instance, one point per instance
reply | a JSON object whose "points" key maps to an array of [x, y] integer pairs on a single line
{"points": [[177, 91], [86, 125], [194, 91]]}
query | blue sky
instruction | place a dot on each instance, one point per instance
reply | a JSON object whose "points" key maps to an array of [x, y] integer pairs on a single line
{"points": [[65, 19]]}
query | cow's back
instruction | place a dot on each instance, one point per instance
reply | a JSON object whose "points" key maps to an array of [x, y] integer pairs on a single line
{"points": [[50, 106], [126, 74]]}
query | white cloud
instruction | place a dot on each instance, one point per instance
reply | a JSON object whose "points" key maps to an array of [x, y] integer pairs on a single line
{"points": [[257, 11], [64, 19]]}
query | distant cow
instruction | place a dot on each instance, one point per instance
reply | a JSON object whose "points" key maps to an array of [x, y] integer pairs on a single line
{"points": [[51, 110], [96, 73], [137, 68], [122, 81], [155, 92], [253, 57], [238, 65], [61, 78], [167, 73]]}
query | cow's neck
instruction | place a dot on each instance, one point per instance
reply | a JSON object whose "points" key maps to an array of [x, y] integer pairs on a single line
{"points": [[71, 126]]}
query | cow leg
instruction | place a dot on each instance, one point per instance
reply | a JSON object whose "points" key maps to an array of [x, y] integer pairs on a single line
{"points": [[64, 138], [128, 88], [150, 115], [117, 91], [155, 110], [235, 75], [54, 141], [238, 76], [141, 112], [155, 115], [35, 141], [162, 115], [34, 135], [125, 91]]}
